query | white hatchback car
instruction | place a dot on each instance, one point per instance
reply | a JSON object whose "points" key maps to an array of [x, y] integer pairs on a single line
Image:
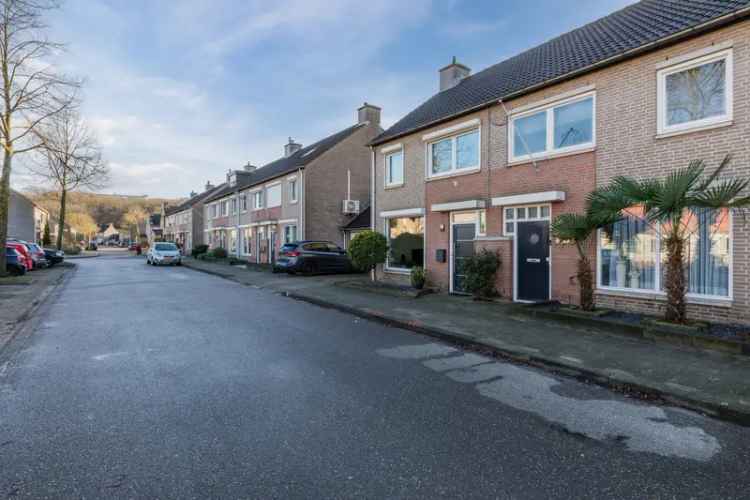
{"points": [[164, 253]]}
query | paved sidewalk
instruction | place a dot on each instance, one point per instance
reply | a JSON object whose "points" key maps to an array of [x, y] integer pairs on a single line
{"points": [[716, 383], [18, 302]]}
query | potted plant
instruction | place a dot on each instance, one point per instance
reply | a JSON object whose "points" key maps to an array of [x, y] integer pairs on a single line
{"points": [[418, 277]]}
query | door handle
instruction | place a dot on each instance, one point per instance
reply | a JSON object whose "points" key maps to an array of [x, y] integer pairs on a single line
{"points": [[534, 261]]}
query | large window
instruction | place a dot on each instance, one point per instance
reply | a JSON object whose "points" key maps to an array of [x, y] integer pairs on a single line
{"points": [[632, 255], [405, 242], [232, 241], [696, 93], [273, 196], [243, 202], [394, 169], [246, 236], [453, 154], [563, 127]]}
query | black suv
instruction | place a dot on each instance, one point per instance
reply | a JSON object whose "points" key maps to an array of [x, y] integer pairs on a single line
{"points": [[312, 257]]}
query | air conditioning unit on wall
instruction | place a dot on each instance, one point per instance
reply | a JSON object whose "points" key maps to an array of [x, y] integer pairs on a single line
{"points": [[351, 207]]}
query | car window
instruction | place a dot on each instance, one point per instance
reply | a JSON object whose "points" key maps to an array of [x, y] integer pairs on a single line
{"points": [[288, 247], [165, 247], [316, 247], [333, 248]]}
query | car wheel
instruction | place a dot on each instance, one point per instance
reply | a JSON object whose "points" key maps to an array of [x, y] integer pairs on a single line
{"points": [[179, 263]]}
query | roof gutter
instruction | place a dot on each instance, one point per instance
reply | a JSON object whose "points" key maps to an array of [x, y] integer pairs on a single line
{"points": [[651, 46]]}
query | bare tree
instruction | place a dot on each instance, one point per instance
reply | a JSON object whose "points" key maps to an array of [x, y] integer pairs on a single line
{"points": [[32, 91], [134, 217], [69, 159]]}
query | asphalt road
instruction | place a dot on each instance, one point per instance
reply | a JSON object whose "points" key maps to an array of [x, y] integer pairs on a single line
{"points": [[141, 382]]}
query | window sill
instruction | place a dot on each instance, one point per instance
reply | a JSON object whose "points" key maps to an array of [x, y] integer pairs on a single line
{"points": [[393, 186], [673, 133], [493, 238], [550, 156], [662, 297], [457, 173]]}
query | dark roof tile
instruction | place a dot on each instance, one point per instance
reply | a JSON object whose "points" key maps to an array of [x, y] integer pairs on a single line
{"points": [[615, 35]]}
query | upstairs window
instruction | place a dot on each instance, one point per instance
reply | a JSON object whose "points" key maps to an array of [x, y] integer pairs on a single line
{"points": [[257, 200], [695, 94], [394, 169], [273, 196], [293, 194], [453, 154], [566, 126], [243, 202], [233, 204]]}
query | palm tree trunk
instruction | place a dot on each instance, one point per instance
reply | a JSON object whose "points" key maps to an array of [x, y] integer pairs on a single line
{"points": [[586, 284], [675, 282]]}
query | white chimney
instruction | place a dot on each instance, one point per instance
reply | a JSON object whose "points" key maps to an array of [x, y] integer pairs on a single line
{"points": [[368, 114], [250, 167], [209, 186], [451, 75], [291, 148]]}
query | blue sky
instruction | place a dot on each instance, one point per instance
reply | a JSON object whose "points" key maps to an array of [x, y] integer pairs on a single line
{"points": [[180, 91]]}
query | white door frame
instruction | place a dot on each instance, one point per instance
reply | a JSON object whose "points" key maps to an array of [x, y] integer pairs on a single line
{"points": [[450, 244]]}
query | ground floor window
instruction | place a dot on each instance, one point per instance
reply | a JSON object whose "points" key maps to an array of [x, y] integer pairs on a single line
{"points": [[246, 237], [405, 242], [632, 257], [290, 234]]}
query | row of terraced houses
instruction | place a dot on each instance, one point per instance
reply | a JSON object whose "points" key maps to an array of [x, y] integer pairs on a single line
{"points": [[494, 156]]}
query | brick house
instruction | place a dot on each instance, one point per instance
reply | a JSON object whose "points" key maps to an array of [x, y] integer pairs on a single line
{"points": [[493, 157], [184, 222], [305, 194]]}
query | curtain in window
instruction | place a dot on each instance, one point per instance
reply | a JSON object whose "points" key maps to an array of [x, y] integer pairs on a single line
{"points": [[707, 252], [628, 255]]}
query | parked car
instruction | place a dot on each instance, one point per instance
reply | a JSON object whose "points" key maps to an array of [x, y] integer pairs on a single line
{"points": [[14, 262], [164, 253], [38, 256], [54, 256], [26, 259], [312, 257]]}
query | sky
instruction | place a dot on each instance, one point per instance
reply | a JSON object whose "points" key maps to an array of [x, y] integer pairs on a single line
{"points": [[180, 91]]}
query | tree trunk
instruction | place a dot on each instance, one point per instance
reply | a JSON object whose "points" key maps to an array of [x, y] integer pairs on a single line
{"points": [[675, 282], [4, 206], [586, 284], [61, 228]]}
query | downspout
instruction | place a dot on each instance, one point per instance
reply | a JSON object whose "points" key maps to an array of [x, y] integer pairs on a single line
{"points": [[302, 203], [372, 199]]}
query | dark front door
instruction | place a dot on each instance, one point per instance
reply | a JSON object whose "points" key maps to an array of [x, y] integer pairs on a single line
{"points": [[533, 260], [463, 247]]}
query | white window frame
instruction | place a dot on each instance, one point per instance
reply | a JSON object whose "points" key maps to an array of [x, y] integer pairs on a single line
{"points": [[386, 220], [258, 199], [661, 100], [266, 197], [233, 206], [243, 202], [453, 138], [549, 109], [224, 208], [386, 159], [657, 291], [243, 240], [515, 219], [293, 189]]}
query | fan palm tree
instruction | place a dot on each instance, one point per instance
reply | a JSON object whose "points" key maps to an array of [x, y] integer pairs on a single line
{"points": [[670, 203], [577, 229]]}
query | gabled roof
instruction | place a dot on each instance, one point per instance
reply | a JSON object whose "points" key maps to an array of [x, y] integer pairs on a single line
{"points": [[192, 201], [287, 164], [620, 35], [361, 221]]}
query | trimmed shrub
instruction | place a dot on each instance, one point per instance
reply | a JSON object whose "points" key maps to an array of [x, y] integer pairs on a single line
{"points": [[72, 250], [418, 277], [480, 271], [218, 253], [199, 250], [367, 250]]}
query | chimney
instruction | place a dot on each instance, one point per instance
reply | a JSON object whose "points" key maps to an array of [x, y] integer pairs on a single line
{"points": [[209, 186], [249, 167], [193, 194], [368, 114], [291, 148], [451, 75]]}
